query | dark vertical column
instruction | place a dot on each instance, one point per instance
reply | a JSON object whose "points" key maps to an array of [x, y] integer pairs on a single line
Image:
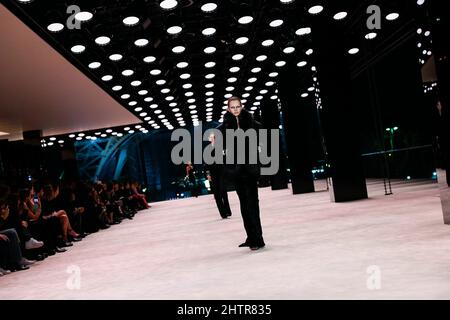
{"points": [[270, 117], [440, 26], [339, 116], [69, 162], [298, 114]]}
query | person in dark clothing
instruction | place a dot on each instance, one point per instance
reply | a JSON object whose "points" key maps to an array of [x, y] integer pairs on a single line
{"points": [[191, 179], [244, 176], [215, 176]]}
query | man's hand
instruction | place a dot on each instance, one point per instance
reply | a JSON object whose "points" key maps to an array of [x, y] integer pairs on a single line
{"points": [[24, 224], [4, 238], [209, 178]]}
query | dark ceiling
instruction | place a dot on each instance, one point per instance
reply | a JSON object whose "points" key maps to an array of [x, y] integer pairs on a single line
{"points": [[168, 89]]}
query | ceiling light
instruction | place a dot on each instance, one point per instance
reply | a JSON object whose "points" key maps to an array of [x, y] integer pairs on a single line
{"points": [[273, 74], [304, 95], [209, 31], [237, 57], [256, 70], [142, 92], [174, 30], [127, 72], [103, 40], [245, 20], [155, 72], [303, 31], [141, 42], [131, 21], [115, 57], [117, 88], [149, 59], [168, 4], [107, 78], [185, 76], [235, 69], [315, 10], [136, 83], [78, 48], [83, 16], [148, 99], [209, 7], [371, 35], [289, 50], [178, 49], [261, 58], [302, 64], [309, 52], [55, 27], [232, 79], [392, 16], [340, 15], [210, 64], [252, 80], [353, 51], [187, 86], [276, 23], [94, 65], [182, 65], [242, 40], [209, 85], [161, 82], [210, 50], [125, 96]]}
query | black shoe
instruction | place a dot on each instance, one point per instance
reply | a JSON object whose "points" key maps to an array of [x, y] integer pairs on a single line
{"points": [[254, 248], [19, 267], [51, 252], [60, 250], [76, 239], [243, 245]]}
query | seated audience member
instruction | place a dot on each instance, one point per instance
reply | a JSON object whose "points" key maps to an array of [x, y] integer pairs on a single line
{"points": [[136, 195]]}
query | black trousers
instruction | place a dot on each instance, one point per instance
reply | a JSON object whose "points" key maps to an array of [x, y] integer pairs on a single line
{"points": [[219, 190], [10, 253], [247, 191]]}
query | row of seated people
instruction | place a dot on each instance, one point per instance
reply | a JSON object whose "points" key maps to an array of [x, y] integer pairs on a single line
{"points": [[44, 219]]}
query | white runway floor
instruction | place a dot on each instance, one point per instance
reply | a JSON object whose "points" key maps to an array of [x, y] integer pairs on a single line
{"points": [[315, 250]]}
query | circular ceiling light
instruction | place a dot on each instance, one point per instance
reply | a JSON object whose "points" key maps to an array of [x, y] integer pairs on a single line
{"points": [[107, 77], [256, 70], [127, 72], [252, 80], [182, 65], [242, 40], [103, 40], [210, 64], [83, 16], [235, 69], [117, 88], [280, 64], [289, 50], [315, 9], [392, 16], [174, 30], [276, 23], [267, 43], [302, 64], [141, 42], [261, 58], [168, 4], [136, 83], [309, 52], [353, 51], [286, 1], [237, 57], [187, 86], [178, 49], [209, 31], [185, 76], [115, 57], [94, 65], [161, 82], [245, 20], [78, 48], [273, 74], [210, 76], [131, 21], [155, 72], [55, 27], [303, 31], [209, 85], [232, 80], [148, 99], [209, 7], [340, 15], [142, 92], [149, 59], [371, 35], [210, 50], [125, 96]]}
